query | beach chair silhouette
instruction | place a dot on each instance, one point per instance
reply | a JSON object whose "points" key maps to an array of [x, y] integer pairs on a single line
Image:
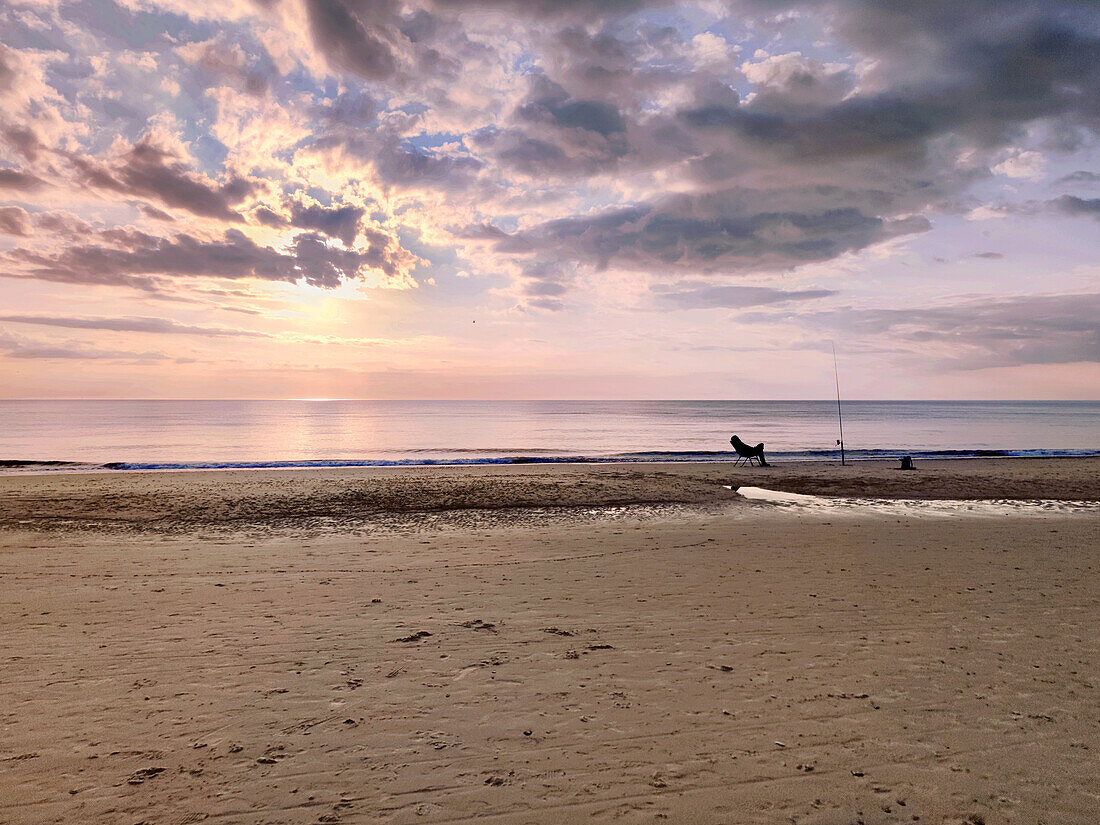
{"points": [[747, 454]]}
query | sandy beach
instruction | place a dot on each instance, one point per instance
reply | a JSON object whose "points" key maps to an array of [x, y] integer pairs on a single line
{"points": [[533, 644]]}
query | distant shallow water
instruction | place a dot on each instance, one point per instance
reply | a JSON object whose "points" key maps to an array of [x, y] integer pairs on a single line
{"points": [[910, 508], [183, 435]]}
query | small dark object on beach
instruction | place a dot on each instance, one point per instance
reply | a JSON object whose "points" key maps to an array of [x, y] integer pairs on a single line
{"points": [[414, 637], [907, 463], [747, 453]]}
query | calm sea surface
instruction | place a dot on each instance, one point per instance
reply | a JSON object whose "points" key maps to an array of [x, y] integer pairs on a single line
{"points": [[287, 433]]}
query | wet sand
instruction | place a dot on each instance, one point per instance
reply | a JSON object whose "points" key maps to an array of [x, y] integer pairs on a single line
{"points": [[253, 648], [238, 498]]}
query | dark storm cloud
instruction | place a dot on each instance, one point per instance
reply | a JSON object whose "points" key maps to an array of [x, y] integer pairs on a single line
{"points": [[789, 160], [353, 36], [337, 222], [978, 73], [341, 222], [720, 233], [24, 140], [996, 80], [158, 326], [130, 258], [62, 224], [14, 221], [1080, 176], [270, 218], [556, 133], [154, 213], [550, 103], [396, 165], [853, 128], [349, 109], [151, 170], [1042, 329], [980, 67], [699, 296], [1071, 205], [556, 8], [351, 126], [21, 181]]}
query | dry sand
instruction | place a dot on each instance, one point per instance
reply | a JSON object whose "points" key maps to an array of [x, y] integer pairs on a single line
{"points": [[549, 645]]}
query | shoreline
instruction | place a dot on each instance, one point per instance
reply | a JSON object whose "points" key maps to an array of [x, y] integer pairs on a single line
{"points": [[197, 499], [24, 467]]}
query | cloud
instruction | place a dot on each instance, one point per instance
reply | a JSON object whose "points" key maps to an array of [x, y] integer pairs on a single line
{"points": [[670, 149], [154, 167], [1025, 165], [553, 132], [127, 257], [337, 222], [975, 334], [20, 181], [15, 347], [1080, 176], [728, 232], [154, 213], [14, 221], [697, 296], [222, 61], [353, 35], [24, 140], [158, 326], [62, 224], [1071, 205], [343, 221], [818, 159]]}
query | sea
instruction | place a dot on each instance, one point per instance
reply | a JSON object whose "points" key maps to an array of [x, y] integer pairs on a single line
{"points": [[60, 435]]}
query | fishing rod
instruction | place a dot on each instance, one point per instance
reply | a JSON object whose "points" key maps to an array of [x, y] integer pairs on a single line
{"points": [[839, 414]]}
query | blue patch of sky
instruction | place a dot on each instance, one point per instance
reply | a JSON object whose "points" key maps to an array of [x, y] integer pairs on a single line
{"points": [[207, 150], [18, 35], [425, 142], [443, 264], [322, 196], [123, 28], [686, 21], [413, 107], [506, 223], [299, 80], [525, 63]]}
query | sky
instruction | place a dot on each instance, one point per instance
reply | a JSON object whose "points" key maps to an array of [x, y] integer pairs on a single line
{"points": [[549, 199]]}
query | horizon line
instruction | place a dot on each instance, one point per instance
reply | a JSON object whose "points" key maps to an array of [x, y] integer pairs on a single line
{"points": [[323, 399]]}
